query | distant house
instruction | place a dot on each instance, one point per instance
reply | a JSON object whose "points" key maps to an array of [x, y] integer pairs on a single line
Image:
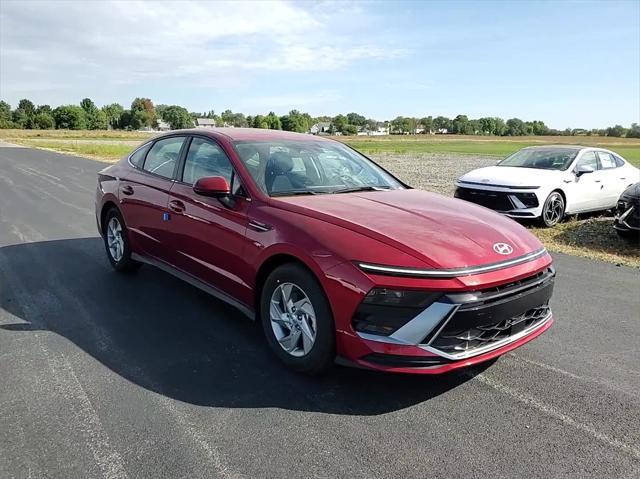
{"points": [[378, 131], [321, 128], [163, 126], [205, 123]]}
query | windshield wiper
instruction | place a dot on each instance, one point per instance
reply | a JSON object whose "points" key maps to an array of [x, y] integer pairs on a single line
{"points": [[295, 192], [362, 188]]}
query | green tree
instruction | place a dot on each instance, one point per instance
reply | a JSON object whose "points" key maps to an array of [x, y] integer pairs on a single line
{"points": [[441, 123], [515, 127], [616, 131], [634, 131], [113, 112], [5, 111], [401, 125], [260, 121], [143, 111], [20, 118], [487, 125], [460, 125], [88, 106], [273, 121], [355, 119], [339, 122], [350, 129], [70, 117], [43, 121], [28, 106], [160, 109], [295, 121], [177, 117], [427, 124]]}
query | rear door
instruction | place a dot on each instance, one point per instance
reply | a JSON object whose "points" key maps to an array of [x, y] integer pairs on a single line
{"points": [[208, 235], [613, 179], [144, 194]]}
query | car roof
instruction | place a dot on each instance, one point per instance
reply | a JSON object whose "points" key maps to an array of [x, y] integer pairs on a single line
{"points": [[555, 147], [251, 134]]}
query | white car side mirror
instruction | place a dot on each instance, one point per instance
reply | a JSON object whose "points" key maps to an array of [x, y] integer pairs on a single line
{"points": [[583, 170]]}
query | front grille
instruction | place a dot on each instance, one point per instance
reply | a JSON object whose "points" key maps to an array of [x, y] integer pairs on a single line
{"points": [[495, 200], [455, 341], [494, 314], [633, 219]]}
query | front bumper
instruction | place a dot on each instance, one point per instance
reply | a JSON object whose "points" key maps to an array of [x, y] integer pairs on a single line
{"points": [[507, 201], [460, 329], [627, 216]]}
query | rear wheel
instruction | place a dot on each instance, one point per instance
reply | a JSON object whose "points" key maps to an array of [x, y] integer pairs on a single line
{"points": [[116, 242], [297, 319], [552, 210]]}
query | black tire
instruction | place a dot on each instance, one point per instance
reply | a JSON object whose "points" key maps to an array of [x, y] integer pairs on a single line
{"points": [[629, 235], [321, 356], [552, 210], [123, 263]]}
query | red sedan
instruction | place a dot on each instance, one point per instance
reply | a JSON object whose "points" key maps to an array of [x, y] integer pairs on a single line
{"points": [[338, 259]]}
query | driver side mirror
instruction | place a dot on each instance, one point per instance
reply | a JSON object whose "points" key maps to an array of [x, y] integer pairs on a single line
{"points": [[583, 170], [212, 186]]}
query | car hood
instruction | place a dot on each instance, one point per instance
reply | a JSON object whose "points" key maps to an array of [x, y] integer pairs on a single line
{"points": [[512, 176], [631, 194], [441, 231]]}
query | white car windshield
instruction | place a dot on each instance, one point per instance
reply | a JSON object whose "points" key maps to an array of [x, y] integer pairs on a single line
{"points": [[289, 167], [541, 158]]}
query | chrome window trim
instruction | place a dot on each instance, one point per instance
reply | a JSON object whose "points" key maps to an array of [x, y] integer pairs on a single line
{"points": [[449, 273]]}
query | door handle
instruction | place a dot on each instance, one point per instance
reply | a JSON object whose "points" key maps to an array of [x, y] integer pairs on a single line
{"points": [[127, 190], [597, 181], [176, 206]]}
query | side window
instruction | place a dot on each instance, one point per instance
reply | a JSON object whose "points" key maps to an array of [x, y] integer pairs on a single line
{"points": [[589, 159], [137, 158], [607, 160], [163, 156], [206, 158], [619, 161]]}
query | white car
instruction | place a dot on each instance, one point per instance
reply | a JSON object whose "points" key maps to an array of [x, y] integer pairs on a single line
{"points": [[549, 182]]}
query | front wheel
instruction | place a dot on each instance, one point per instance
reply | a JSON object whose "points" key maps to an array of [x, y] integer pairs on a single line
{"points": [[297, 319], [552, 210]]}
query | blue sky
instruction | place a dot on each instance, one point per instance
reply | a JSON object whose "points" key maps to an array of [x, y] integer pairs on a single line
{"points": [[567, 63]]}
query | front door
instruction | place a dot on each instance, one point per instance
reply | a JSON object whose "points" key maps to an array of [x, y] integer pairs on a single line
{"points": [[209, 234], [588, 188]]}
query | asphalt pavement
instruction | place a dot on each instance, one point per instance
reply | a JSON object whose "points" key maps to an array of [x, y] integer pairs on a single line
{"points": [[116, 376]]}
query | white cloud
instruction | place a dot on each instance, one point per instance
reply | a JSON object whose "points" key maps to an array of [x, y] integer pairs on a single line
{"points": [[67, 45]]}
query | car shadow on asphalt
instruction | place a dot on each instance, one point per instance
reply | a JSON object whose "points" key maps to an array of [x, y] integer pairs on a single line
{"points": [[171, 338]]}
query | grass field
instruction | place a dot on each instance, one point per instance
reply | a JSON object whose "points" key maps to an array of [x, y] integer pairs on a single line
{"points": [[91, 143], [491, 146]]}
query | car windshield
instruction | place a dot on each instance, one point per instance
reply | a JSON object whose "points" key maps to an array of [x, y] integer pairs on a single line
{"points": [[289, 167], [542, 159]]}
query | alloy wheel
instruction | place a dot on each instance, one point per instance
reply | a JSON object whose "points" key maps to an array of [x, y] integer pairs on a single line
{"points": [[293, 319], [553, 210], [115, 242]]}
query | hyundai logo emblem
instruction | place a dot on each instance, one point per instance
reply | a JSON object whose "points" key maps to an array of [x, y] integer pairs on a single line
{"points": [[502, 248]]}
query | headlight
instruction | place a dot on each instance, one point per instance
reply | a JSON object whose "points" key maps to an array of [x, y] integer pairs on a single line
{"points": [[400, 297], [383, 311]]}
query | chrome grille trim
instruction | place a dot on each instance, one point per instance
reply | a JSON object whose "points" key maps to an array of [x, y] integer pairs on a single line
{"points": [[492, 346]]}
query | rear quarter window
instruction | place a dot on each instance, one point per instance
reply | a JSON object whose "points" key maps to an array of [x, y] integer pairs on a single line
{"points": [[137, 158]]}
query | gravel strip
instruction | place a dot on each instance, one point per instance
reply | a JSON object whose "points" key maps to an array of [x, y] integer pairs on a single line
{"points": [[432, 171]]}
